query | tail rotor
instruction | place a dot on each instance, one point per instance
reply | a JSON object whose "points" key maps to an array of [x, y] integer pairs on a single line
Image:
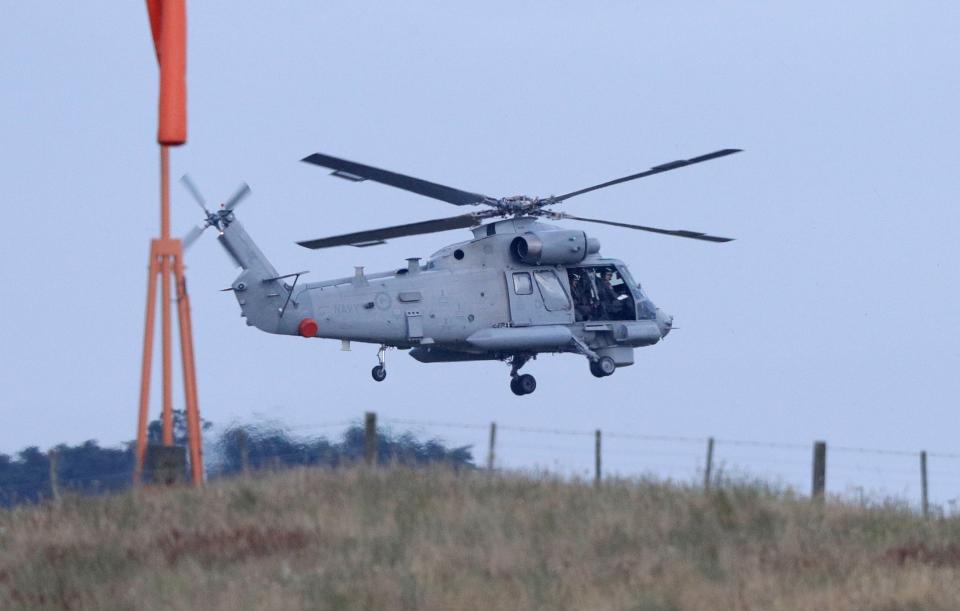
{"points": [[219, 219]]}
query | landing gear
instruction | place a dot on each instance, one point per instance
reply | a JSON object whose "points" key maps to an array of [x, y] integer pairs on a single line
{"points": [[521, 384], [603, 367], [379, 372]]}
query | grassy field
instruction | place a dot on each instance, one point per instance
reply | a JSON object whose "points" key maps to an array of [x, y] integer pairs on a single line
{"points": [[434, 539]]}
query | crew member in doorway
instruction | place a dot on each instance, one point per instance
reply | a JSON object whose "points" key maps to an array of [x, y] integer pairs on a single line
{"points": [[610, 304], [583, 306]]}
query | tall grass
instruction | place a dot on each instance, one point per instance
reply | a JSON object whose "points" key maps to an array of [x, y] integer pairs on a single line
{"points": [[400, 538]]}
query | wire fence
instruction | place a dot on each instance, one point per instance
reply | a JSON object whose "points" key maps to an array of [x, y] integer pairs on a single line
{"points": [[860, 474], [923, 480]]}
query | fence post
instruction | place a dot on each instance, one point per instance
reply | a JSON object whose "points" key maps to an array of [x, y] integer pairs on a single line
{"points": [[244, 452], [924, 502], [52, 458], [370, 439], [596, 466], [707, 470], [491, 453], [819, 469]]}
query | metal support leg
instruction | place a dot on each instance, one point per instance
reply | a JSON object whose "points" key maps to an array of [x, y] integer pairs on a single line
{"points": [[379, 372], [581, 347], [516, 362]]}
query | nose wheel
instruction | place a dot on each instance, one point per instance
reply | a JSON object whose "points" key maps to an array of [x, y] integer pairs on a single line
{"points": [[603, 367], [379, 373]]}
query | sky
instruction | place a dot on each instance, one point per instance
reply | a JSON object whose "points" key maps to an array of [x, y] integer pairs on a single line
{"points": [[832, 316]]}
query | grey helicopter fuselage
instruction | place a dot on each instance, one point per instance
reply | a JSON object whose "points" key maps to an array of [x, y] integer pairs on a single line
{"points": [[506, 294]]}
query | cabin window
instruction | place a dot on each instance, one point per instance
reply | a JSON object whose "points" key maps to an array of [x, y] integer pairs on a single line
{"points": [[554, 297], [522, 284]]}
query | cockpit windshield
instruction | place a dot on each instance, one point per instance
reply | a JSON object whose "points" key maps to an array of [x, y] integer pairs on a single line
{"points": [[645, 308]]}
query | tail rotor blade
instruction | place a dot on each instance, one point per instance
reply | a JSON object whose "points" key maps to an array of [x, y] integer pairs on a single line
{"points": [[192, 236], [192, 188], [237, 197]]}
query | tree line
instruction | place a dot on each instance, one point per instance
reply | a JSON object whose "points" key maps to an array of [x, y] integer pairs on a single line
{"points": [[88, 468]]}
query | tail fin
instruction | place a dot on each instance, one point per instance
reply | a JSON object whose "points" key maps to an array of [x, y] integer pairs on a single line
{"points": [[244, 251], [259, 292]]}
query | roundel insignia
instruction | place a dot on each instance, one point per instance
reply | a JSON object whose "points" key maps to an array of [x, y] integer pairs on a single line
{"points": [[383, 301]]}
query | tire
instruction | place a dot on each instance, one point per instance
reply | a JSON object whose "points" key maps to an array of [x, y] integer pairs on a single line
{"points": [[596, 371], [515, 388], [379, 373], [527, 383], [606, 365]]}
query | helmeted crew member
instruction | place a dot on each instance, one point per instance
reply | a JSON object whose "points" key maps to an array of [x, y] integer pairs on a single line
{"points": [[609, 301]]}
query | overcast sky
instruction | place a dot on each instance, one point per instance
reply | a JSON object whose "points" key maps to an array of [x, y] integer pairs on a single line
{"points": [[833, 316]]}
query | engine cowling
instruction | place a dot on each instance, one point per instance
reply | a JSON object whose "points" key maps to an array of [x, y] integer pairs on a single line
{"points": [[553, 247]]}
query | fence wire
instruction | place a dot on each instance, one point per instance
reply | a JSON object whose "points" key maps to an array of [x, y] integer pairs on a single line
{"points": [[854, 471]]}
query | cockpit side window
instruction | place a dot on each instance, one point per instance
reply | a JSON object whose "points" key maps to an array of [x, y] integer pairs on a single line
{"points": [[554, 297], [522, 284]]}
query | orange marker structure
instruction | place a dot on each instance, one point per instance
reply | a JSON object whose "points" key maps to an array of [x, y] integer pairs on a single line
{"points": [[168, 23]]}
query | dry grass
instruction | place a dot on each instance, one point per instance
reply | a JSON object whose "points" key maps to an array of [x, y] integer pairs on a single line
{"points": [[434, 539]]}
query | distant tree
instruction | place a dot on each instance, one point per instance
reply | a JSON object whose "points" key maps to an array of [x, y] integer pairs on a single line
{"points": [[26, 479], [88, 468], [155, 428], [85, 468], [272, 447]]}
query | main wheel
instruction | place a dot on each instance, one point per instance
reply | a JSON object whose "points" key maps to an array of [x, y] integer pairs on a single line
{"points": [[527, 383], [379, 373], [515, 388]]}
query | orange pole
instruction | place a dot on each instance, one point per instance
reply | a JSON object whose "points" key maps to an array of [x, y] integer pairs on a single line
{"points": [[165, 321], [148, 332], [189, 372], [168, 25]]}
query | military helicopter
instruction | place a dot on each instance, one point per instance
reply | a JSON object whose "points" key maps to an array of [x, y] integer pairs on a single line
{"points": [[520, 287]]}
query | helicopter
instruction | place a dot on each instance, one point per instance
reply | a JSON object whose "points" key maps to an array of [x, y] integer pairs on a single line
{"points": [[518, 288]]}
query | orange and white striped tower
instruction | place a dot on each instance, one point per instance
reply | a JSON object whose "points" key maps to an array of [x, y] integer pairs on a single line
{"points": [[168, 23]]}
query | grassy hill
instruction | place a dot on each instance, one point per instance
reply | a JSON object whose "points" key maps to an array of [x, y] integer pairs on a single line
{"points": [[435, 539]]}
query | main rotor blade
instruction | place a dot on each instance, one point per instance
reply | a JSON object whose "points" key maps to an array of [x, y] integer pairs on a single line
{"points": [[378, 236], [237, 197], [192, 188], [358, 171], [666, 167], [682, 233]]}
